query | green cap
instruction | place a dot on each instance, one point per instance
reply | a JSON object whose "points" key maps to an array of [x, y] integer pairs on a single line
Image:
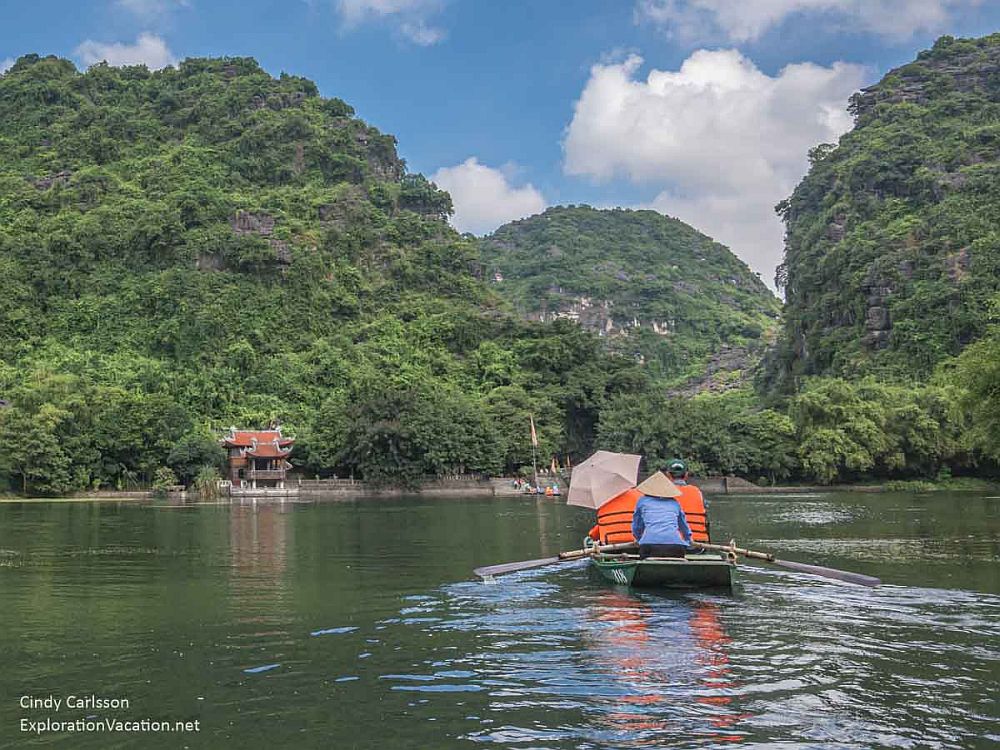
{"points": [[676, 467]]}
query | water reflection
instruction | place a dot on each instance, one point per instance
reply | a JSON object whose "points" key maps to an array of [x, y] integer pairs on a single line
{"points": [[635, 670], [258, 541], [357, 625], [670, 655], [259, 585]]}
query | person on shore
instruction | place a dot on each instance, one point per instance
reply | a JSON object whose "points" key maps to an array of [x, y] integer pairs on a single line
{"points": [[659, 524], [690, 498]]}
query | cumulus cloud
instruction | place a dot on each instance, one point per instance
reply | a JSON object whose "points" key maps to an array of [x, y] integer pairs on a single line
{"points": [[747, 20], [149, 50], [6, 64], [409, 17], [721, 141], [484, 198]]}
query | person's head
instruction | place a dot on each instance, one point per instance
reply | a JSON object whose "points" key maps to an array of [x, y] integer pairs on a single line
{"points": [[676, 469]]}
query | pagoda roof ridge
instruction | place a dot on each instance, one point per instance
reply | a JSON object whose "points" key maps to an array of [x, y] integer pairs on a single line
{"points": [[247, 438]]}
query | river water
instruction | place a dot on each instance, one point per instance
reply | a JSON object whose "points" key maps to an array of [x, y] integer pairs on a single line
{"points": [[359, 625]]}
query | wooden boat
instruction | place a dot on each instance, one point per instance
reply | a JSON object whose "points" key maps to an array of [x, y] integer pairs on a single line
{"points": [[701, 571]]}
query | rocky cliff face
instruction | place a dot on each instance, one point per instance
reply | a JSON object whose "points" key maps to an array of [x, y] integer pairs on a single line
{"points": [[893, 238], [599, 316], [952, 66]]}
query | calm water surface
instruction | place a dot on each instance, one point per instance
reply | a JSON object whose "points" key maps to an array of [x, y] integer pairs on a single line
{"points": [[358, 625]]}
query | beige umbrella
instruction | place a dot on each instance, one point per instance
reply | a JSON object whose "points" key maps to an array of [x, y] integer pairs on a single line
{"points": [[601, 477]]}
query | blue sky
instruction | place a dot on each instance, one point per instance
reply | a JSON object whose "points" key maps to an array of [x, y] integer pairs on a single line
{"points": [[702, 109]]}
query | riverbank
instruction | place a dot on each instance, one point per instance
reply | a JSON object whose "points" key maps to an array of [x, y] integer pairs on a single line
{"points": [[462, 487]]}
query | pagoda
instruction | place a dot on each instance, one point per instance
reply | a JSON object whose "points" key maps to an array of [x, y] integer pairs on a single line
{"points": [[257, 458]]}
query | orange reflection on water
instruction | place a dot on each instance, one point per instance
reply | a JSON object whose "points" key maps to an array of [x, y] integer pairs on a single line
{"points": [[258, 549], [666, 657]]}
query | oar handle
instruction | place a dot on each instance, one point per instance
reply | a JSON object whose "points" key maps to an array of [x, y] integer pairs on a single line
{"points": [[586, 551], [819, 570], [737, 550]]}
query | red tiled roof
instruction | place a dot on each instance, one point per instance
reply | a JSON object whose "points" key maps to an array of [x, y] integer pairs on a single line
{"points": [[267, 450], [245, 438]]}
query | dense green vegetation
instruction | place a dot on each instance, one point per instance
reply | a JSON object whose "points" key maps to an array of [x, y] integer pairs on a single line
{"points": [[887, 366], [652, 286], [207, 245], [832, 431], [977, 372], [893, 238]]}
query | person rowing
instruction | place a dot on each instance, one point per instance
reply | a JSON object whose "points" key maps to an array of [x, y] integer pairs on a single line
{"points": [[659, 524], [691, 500]]}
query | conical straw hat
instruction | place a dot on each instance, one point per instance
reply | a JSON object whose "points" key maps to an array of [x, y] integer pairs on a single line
{"points": [[658, 485]]}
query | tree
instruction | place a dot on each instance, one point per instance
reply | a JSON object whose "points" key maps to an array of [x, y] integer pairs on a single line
{"points": [[34, 456], [977, 371], [194, 451]]}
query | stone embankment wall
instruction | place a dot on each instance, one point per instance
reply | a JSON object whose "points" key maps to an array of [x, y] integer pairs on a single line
{"points": [[460, 487]]}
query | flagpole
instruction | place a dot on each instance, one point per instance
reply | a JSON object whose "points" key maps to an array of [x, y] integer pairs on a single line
{"points": [[534, 449]]}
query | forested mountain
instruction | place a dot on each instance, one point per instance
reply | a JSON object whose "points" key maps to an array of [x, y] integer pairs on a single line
{"points": [[206, 246], [652, 286], [893, 238]]}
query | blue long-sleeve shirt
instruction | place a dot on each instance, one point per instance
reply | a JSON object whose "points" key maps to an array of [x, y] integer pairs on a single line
{"points": [[660, 520]]}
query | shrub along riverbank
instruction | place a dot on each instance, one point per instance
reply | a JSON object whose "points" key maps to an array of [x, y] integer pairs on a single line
{"points": [[833, 431]]}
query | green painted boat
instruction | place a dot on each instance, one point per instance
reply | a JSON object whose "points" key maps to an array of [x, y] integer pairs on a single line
{"points": [[704, 571]]}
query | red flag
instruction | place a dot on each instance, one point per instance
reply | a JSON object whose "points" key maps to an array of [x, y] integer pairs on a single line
{"points": [[534, 435]]}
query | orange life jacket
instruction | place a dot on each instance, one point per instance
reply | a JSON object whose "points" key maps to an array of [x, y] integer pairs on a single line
{"points": [[614, 518], [693, 505]]}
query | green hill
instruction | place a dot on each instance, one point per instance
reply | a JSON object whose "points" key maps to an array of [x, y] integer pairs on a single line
{"points": [[893, 238], [886, 365], [653, 287], [206, 246]]}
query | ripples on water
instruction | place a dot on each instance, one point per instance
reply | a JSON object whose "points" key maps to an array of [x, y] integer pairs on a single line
{"points": [[803, 664], [329, 627]]}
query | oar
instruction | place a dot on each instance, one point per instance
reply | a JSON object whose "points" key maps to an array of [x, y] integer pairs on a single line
{"points": [[495, 570], [816, 570]]}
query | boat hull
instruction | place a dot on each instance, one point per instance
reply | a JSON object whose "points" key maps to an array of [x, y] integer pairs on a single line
{"points": [[691, 572]]}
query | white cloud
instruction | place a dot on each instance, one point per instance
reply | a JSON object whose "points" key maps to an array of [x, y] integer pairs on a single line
{"points": [[720, 140], [420, 33], [151, 10], [483, 197], [746, 20], [149, 50], [6, 64], [410, 17]]}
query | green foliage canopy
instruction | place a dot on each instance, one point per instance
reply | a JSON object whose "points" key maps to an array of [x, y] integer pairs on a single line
{"points": [[892, 250], [207, 245]]}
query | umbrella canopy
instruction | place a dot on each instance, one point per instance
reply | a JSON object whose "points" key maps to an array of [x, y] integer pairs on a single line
{"points": [[601, 477]]}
